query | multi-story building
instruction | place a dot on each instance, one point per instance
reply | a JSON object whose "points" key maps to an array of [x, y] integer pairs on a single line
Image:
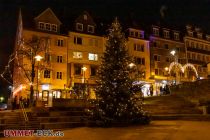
{"points": [[70, 60], [138, 48], [163, 41], [197, 44], [50, 73], [85, 50]]}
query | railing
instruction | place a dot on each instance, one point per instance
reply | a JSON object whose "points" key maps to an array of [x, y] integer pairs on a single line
{"points": [[24, 112]]}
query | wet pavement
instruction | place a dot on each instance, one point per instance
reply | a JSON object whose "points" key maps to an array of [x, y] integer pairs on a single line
{"points": [[157, 130]]}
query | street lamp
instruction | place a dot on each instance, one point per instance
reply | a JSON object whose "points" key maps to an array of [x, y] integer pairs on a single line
{"points": [[38, 59], [166, 69], [84, 88], [173, 52]]}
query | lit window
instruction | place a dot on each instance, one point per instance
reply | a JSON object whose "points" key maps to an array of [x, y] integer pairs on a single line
{"points": [[93, 56], [85, 17], [41, 25], [200, 35], [79, 27], [47, 74], [60, 42], [77, 55], [78, 40], [54, 28], [166, 34], [90, 29], [176, 36], [59, 59], [139, 47], [155, 31], [59, 75], [190, 33], [48, 26]]}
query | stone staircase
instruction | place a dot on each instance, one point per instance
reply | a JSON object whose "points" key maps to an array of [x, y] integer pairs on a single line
{"points": [[169, 104], [15, 120], [62, 118]]}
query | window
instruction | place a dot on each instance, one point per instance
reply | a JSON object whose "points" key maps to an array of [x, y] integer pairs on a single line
{"points": [[78, 40], [60, 42], [93, 42], [138, 47], [139, 60], [85, 17], [41, 25], [166, 46], [141, 34], [198, 57], [92, 56], [48, 26], [59, 59], [204, 58], [59, 75], [155, 31], [190, 33], [166, 34], [155, 44], [93, 71], [77, 55], [54, 28], [79, 27], [167, 59], [192, 45], [176, 36], [156, 71], [200, 35], [189, 55], [77, 69], [136, 34], [90, 29], [131, 33], [157, 57], [47, 74]]}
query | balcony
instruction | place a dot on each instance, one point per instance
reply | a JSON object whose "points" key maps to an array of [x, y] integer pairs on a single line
{"points": [[198, 50]]}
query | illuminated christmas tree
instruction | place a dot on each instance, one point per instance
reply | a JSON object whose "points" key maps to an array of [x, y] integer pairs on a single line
{"points": [[115, 92]]}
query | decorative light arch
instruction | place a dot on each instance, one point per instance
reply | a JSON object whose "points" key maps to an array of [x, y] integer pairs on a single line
{"points": [[191, 66], [175, 64]]}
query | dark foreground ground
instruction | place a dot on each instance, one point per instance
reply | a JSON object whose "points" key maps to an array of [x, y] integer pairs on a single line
{"points": [[157, 130]]}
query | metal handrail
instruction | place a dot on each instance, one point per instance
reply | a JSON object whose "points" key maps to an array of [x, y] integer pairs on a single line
{"points": [[24, 112]]}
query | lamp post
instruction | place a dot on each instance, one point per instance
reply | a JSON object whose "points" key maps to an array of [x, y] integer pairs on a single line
{"points": [[173, 52], [166, 69], [38, 59], [84, 88]]}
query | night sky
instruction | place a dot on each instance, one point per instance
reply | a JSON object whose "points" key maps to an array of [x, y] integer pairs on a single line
{"points": [[176, 12]]}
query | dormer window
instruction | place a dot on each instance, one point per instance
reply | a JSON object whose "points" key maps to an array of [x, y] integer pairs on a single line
{"points": [[176, 36], [166, 34], [90, 29], [131, 33], [208, 37], [85, 17], [200, 35], [54, 28], [136, 34], [48, 26], [155, 31], [141, 34], [79, 27], [190, 33], [41, 25]]}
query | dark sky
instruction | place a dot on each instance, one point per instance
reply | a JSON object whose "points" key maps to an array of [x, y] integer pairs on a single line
{"points": [[176, 12]]}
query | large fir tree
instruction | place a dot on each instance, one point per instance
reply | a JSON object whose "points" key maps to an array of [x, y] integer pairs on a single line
{"points": [[115, 91]]}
